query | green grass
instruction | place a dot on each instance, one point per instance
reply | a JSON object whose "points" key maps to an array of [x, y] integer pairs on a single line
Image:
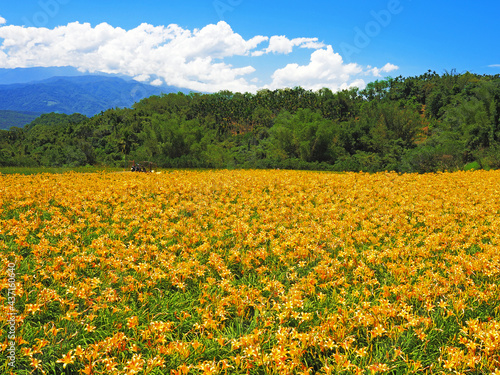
{"points": [[472, 166]]}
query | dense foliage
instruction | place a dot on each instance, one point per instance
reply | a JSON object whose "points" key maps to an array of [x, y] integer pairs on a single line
{"points": [[8, 119], [426, 123]]}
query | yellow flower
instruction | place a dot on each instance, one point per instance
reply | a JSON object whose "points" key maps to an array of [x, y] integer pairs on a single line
{"points": [[378, 331], [132, 322], [66, 359]]}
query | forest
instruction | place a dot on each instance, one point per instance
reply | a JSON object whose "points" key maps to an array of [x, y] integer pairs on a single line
{"points": [[428, 123]]}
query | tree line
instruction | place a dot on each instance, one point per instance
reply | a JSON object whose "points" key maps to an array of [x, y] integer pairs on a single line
{"points": [[426, 123]]}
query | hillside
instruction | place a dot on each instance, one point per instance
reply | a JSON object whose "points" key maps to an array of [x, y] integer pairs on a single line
{"points": [[86, 94], [9, 119], [426, 123]]}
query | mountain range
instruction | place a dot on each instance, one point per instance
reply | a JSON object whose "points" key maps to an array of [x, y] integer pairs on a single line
{"points": [[21, 102]]}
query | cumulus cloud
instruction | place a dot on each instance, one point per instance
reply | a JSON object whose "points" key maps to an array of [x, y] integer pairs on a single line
{"points": [[387, 68], [2, 20], [281, 44], [192, 59], [157, 82], [325, 69], [142, 78]]}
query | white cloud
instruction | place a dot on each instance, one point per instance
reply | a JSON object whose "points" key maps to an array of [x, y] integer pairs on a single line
{"points": [[193, 59], [494, 66], [281, 44], [142, 77], [258, 53], [2, 20], [385, 69], [157, 82], [190, 59], [325, 69]]}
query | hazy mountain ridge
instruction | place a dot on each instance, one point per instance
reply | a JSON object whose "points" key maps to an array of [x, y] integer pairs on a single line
{"points": [[85, 94], [34, 74], [9, 119]]}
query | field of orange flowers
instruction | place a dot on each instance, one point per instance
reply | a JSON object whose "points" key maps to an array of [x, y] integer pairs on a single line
{"points": [[251, 272]]}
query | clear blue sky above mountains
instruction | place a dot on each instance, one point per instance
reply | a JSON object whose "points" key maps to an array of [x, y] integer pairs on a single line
{"points": [[246, 45]]}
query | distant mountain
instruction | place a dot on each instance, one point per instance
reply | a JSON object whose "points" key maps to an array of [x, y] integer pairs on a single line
{"points": [[85, 94], [9, 119], [26, 75], [29, 75]]}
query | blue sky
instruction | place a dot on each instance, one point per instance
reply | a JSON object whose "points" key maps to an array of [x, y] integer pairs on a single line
{"points": [[247, 45]]}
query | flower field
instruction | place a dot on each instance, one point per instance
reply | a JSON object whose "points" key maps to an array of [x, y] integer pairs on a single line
{"points": [[251, 272]]}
